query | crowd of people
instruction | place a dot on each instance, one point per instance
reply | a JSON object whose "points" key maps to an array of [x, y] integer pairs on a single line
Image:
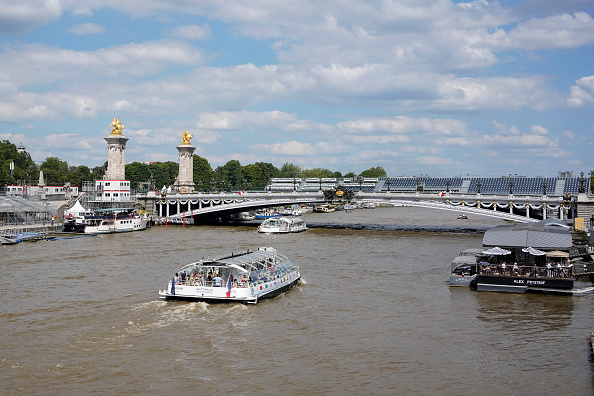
{"points": [[551, 270]]}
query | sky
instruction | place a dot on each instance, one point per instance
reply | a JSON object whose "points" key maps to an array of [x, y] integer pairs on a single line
{"points": [[419, 87]]}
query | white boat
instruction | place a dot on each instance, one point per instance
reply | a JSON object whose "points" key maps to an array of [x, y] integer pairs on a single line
{"points": [[105, 221], [324, 209], [465, 267], [369, 205], [349, 207], [282, 225], [245, 277]]}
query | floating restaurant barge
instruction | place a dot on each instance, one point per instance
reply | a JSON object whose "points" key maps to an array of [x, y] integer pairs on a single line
{"points": [[527, 258]]}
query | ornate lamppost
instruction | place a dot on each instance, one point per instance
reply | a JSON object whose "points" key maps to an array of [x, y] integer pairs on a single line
{"points": [[478, 186], [360, 180], [294, 185], [320, 180], [582, 180], [448, 185], [544, 188], [388, 183], [511, 187]]}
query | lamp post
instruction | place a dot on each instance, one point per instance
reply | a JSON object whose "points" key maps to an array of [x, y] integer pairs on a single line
{"points": [[320, 180], [511, 187], [478, 186], [417, 184], [448, 185], [294, 185], [360, 180], [388, 183], [544, 188], [582, 180]]}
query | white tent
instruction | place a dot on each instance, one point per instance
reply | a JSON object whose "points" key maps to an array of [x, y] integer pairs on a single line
{"points": [[497, 251], [75, 210], [533, 251]]}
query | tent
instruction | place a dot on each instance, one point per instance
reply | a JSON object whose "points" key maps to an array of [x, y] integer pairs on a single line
{"points": [[497, 251], [533, 251], [558, 253]]}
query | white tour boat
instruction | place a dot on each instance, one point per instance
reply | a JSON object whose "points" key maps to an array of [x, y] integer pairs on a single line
{"points": [[105, 221], [282, 225], [245, 277]]}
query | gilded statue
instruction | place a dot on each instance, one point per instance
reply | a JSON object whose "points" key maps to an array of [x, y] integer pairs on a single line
{"points": [[117, 127], [186, 137]]}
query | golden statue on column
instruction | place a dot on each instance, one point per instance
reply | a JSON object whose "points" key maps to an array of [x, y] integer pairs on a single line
{"points": [[186, 137], [117, 127]]}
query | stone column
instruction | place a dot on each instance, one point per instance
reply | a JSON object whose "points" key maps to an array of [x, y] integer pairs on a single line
{"points": [[186, 168], [116, 146]]}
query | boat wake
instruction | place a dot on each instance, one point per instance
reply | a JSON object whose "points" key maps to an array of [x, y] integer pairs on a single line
{"points": [[399, 227]]}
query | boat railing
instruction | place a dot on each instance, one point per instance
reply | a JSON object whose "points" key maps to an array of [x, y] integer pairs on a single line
{"points": [[528, 271]]}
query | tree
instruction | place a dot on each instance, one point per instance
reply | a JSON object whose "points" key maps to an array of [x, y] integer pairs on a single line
{"points": [[350, 174], [254, 176], [55, 171], [289, 170], [79, 174], [268, 172], [376, 171], [202, 173], [316, 173], [25, 169], [137, 172], [164, 173]]}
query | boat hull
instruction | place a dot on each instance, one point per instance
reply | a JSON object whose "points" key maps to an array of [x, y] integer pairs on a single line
{"points": [[522, 284], [459, 280]]}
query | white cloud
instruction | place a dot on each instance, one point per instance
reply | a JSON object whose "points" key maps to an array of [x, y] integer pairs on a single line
{"points": [[192, 32], [87, 28], [17, 16], [582, 94]]}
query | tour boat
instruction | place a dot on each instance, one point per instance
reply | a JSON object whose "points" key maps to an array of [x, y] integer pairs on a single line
{"points": [[245, 277], [282, 225], [105, 221], [324, 209]]}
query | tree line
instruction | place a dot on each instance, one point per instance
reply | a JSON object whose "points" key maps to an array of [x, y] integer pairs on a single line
{"points": [[229, 177]]}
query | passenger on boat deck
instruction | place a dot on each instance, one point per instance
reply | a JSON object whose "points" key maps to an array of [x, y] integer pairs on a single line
{"points": [[183, 277], [559, 269], [503, 268], [217, 281], [488, 270], [196, 277], [515, 268], [549, 269], [209, 276], [175, 278]]}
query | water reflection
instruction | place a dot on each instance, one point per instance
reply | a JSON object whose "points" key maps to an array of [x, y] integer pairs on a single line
{"points": [[525, 312]]}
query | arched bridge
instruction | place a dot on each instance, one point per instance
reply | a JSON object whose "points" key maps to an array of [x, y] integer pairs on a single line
{"points": [[212, 205]]}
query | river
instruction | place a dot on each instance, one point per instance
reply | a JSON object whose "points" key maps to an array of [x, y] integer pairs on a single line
{"points": [[373, 315]]}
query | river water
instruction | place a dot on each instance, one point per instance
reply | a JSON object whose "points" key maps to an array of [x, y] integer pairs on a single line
{"points": [[373, 315]]}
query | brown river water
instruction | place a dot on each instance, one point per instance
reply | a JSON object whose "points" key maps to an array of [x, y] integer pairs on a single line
{"points": [[373, 316]]}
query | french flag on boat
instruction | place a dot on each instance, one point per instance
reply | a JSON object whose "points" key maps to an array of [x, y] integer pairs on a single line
{"points": [[229, 287]]}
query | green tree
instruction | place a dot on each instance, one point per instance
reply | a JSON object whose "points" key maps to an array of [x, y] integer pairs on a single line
{"points": [[55, 171], [254, 176], [79, 174], [289, 170], [269, 171], [203, 173], [350, 174], [25, 169], [164, 173], [231, 175], [137, 172], [317, 173], [376, 171]]}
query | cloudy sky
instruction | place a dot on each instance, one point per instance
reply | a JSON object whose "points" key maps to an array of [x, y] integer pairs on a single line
{"points": [[438, 87]]}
